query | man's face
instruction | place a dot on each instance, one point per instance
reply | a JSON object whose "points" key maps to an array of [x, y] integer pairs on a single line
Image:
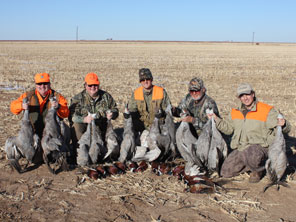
{"points": [[197, 94], [43, 88], [247, 99], [92, 89], [146, 83]]}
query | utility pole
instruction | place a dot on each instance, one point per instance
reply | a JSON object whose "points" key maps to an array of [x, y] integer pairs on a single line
{"points": [[77, 34], [253, 38]]}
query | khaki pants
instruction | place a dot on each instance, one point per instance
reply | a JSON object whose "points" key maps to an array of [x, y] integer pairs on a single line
{"points": [[250, 159]]}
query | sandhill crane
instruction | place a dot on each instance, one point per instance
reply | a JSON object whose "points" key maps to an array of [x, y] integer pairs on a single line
{"points": [[84, 145], [112, 144], [167, 139], [91, 145], [185, 140], [127, 148], [54, 148], [25, 144], [277, 159], [154, 150], [218, 149]]}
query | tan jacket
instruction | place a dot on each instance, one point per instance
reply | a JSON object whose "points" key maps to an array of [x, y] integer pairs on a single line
{"points": [[257, 127]]}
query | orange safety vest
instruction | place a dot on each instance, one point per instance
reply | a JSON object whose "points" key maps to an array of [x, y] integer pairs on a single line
{"points": [[157, 97], [260, 114]]}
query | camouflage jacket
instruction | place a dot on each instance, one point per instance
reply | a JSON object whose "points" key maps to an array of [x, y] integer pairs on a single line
{"points": [[142, 119], [197, 109], [83, 103]]}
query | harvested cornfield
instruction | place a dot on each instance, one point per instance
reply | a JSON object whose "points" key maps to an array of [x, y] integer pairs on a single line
{"points": [[69, 196]]}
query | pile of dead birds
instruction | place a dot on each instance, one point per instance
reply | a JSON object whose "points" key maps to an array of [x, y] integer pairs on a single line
{"points": [[195, 184]]}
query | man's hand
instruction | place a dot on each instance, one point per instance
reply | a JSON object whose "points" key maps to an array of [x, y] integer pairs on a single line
{"points": [[109, 114], [188, 119], [88, 119], [55, 104], [25, 106], [281, 122], [210, 115]]}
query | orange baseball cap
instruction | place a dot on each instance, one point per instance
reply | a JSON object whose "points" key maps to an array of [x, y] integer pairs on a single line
{"points": [[92, 79], [41, 77]]}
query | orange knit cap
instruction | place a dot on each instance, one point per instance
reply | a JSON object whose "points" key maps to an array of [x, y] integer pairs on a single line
{"points": [[41, 77], [92, 79]]}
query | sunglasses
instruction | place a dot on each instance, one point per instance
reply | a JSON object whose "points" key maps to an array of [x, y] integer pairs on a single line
{"points": [[94, 85], [142, 80], [42, 83], [192, 91]]}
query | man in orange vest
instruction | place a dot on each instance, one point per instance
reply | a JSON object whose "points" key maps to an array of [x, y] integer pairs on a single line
{"points": [[146, 100], [252, 126], [39, 103]]}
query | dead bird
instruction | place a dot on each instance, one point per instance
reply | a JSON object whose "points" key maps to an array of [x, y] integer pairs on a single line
{"points": [[142, 166], [154, 150], [277, 161], [218, 149], [132, 166], [97, 148], [167, 138], [93, 174], [202, 146], [84, 145], [25, 144], [102, 171], [164, 168], [120, 166], [185, 140], [178, 170], [91, 145], [54, 149], [154, 166], [128, 145], [112, 143]]}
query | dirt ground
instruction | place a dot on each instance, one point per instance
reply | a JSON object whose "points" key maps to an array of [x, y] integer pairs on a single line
{"points": [[37, 195]]}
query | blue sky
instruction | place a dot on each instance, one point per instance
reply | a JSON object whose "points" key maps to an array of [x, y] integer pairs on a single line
{"points": [[182, 20]]}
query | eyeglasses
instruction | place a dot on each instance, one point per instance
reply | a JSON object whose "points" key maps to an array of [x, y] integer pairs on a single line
{"points": [[94, 85], [42, 83], [194, 91]]}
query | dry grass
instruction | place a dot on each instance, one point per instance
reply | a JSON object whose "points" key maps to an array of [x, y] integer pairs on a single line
{"points": [[270, 68]]}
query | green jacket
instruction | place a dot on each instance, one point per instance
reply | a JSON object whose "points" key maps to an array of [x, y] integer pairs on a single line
{"points": [[83, 103], [257, 126], [143, 105]]}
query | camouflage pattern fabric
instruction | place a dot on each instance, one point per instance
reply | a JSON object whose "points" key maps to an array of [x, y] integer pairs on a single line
{"points": [[197, 109], [83, 103], [250, 159]]}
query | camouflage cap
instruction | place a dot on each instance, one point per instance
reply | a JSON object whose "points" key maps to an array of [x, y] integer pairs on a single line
{"points": [[195, 84], [244, 88], [145, 73]]}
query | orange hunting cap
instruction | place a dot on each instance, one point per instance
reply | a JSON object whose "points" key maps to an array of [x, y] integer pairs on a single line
{"points": [[41, 77], [92, 79]]}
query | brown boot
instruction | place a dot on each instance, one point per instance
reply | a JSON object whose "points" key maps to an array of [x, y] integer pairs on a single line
{"points": [[255, 177]]}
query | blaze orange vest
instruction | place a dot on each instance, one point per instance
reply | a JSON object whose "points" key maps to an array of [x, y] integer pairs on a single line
{"points": [[157, 97], [260, 114]]}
